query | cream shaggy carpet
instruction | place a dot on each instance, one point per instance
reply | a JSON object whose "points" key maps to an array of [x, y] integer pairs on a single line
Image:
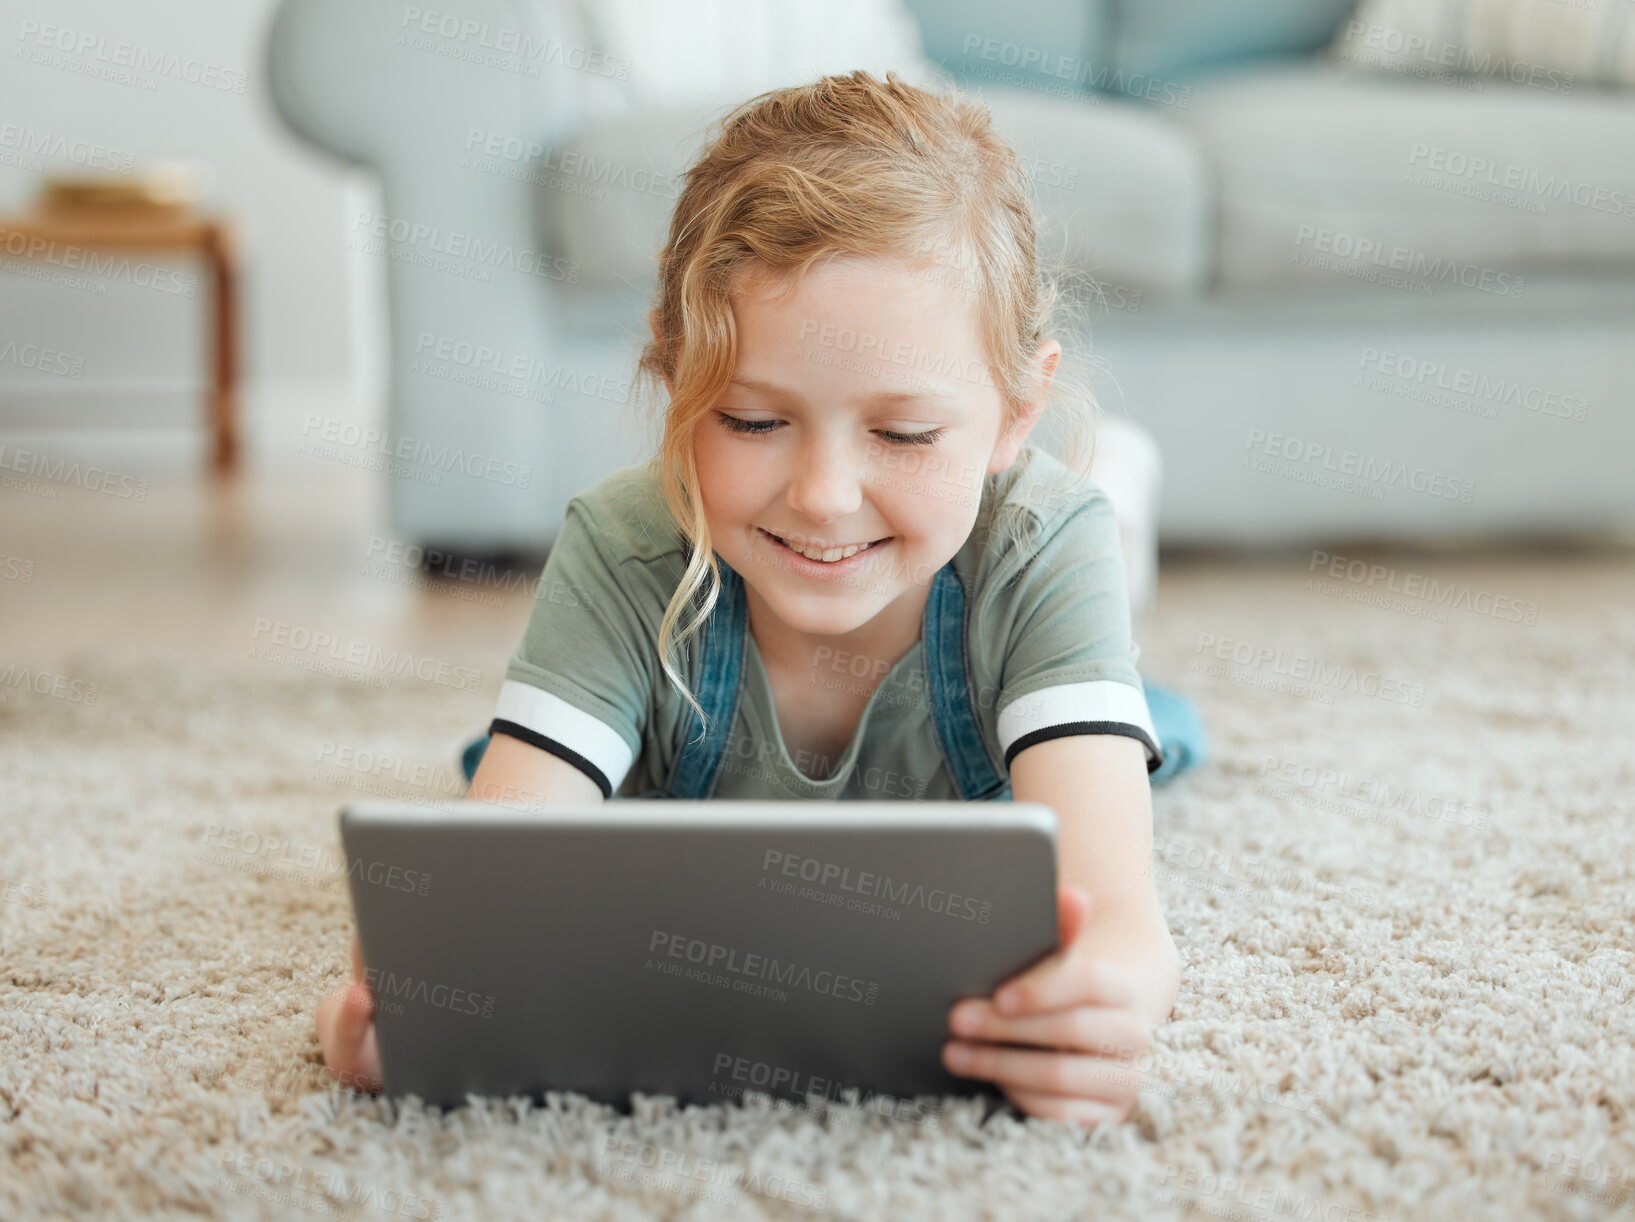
{"points": [[1406, 920]]}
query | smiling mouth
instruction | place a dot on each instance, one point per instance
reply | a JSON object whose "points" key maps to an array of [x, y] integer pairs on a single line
{"points": [[833, 555]]}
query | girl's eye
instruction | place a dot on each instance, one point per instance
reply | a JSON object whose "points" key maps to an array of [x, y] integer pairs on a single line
{"points": [[759, 427], [735, 425], [913, 439]]}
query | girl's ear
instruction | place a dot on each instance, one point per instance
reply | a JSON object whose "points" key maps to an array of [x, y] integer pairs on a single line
{"points": [[1044, 369]]}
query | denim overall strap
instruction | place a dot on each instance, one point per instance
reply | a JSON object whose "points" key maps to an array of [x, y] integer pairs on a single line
{"points": [[698, 766], [943, 632]]}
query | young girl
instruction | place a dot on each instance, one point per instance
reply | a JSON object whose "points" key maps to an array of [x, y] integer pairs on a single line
{"points": [[843, 575]]}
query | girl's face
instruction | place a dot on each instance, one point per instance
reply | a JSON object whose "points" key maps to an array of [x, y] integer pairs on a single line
{"points": [[861, 414]]}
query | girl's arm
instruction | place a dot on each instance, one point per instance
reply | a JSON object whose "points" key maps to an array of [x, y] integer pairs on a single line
{"points": [[513, 771], [1063, 1038], [1097, 785]]}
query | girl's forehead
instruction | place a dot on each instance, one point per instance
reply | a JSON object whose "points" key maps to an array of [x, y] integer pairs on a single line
{"points": [[915, 297], [905, 319], [761, 278]]}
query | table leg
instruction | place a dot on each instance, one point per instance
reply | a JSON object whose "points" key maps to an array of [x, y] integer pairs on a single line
{"points": [[224, 344]]}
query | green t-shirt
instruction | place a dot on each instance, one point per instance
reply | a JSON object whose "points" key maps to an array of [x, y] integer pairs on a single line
{"points": [[1049, 651]]}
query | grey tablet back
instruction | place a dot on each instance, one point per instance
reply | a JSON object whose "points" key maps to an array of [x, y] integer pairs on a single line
{"points": [[694, 949]]}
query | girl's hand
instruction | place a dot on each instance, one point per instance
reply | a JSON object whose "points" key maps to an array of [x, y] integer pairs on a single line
{"points": [[346, 1030], [1082, 1016]]}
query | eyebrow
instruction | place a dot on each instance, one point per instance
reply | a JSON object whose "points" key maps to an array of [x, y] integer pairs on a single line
{"points": [[936, 393]]}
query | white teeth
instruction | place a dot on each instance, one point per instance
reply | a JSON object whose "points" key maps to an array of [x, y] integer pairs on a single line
{"points": [[828, 556]]}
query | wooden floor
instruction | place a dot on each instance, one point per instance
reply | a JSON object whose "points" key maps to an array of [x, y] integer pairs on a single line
{"points": [[194, 569], [197, 567]]}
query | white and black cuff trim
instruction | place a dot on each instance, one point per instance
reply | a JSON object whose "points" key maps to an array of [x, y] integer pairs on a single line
{"points": [[550, 723], [1101, 706]]}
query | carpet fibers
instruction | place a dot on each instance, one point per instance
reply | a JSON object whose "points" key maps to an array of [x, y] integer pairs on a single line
{"points": [[1402, 887]]}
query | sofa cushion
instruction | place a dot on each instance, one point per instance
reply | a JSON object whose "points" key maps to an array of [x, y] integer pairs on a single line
{"points": [[1326, 174], [609, 166], [1169, 41], [1122, 191], [607, 198], [1061, 47], [1548, 44]]}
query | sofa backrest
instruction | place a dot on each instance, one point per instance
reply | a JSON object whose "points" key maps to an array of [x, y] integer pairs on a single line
{"points": [[1173, 39], [1140, 48], [1057, 46]]}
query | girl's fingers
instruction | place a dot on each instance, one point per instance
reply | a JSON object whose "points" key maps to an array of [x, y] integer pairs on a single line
{"points": [[1045, 1072], [1065, 980], [363, 1072], [1072, 907], [1100, 1030], [357, 960], [346, 1032], [1086, 1112], [357, 1063]]}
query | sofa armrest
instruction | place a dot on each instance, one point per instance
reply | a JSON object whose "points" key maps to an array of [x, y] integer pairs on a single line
{"points": [[416, 95]]}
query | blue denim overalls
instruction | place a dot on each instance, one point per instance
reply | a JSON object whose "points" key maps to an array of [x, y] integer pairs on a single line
{"points": [[698, 768]]}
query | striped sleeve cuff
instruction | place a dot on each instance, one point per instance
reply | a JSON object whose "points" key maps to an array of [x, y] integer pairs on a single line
{"points": [[1102, 706], [550, 723]]}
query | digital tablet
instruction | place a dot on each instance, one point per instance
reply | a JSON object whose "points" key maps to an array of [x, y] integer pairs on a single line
{"points": [[690, 948]]}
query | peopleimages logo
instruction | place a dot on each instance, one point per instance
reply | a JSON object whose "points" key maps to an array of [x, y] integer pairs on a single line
{"points": [[897, 352], [28, 140], [391, 990], [541, 160], [408, 237], [1384, 257], [712, 955], [1435, 375], [1520, 179], [705, 1180], [322, 1191], [116, 55], [61, 471], [480, 359], [1450, 594], [1390, 472], [1380, 794], [15, 568], [279, 851], [45, 683], [102, 266], [283, 635], [1300, 666], [1383, 46], [876, 886], [1190, 1187], [41, 359], [765, 1076], [321, 436], [506, 46], [1082, 73]]}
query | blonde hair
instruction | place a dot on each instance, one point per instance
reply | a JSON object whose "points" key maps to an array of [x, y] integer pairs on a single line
{"points": [[846, 165]]}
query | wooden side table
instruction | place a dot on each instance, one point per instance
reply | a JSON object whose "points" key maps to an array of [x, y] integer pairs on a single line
{"points": [[57, 235]]}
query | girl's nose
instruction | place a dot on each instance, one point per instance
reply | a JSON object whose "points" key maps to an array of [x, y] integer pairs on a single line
{"points": [[827, 483]]}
